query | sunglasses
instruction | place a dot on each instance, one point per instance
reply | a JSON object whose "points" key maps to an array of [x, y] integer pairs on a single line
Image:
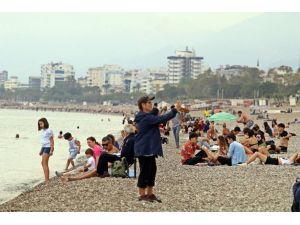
{"points": [[105, 144]]}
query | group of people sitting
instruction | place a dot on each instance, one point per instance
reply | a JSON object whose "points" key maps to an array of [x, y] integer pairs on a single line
{"points": [[99, 157], [237, 146]]}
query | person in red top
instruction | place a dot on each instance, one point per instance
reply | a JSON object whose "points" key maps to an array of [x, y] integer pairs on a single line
{"points": [[188, 152]]}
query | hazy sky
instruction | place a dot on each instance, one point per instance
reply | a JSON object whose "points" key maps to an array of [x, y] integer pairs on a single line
{"points": [[84, 40]]}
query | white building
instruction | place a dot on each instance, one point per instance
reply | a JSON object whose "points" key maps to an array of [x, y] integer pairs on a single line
{"points": [[229, 71], [183, 64], [148, 81], [109, 78], [12, 83], [53, 73]]}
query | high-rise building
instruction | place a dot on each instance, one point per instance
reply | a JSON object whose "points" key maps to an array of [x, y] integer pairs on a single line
{"points": [[183, 64], [34, 82], [3, 76], [54, 73]]}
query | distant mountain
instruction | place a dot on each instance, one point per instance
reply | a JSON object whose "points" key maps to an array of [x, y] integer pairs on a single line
{"points": [[274, 38]]}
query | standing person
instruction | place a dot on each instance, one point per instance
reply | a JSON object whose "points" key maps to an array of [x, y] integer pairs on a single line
{"points": [[47, 142], [245, 119], [148, 145], [176, 127], [74, 149]]}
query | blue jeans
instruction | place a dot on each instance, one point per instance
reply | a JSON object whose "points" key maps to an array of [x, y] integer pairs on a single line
{"points": [[176, 131]]}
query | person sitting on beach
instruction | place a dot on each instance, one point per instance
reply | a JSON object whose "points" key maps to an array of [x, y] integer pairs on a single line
{"points": [[268, 129], [245, 119], [236, 153], [114, 142], [250, 142], [295, 158], [88, 167], [127, 152], [238, 133], [108, 146], [188, 151], [225, 131], [259, 134], [212, 132], [206, 127], [223, 150], [74, 149], [201, 127], [60, 136], [275, 128], [284, 139], [95, 146]]}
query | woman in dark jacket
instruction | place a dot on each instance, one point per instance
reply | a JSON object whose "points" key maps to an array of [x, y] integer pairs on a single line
{"points": [[148, 145]]}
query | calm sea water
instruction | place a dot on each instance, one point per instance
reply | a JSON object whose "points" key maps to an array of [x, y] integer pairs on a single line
{"points": [[19, 159]]}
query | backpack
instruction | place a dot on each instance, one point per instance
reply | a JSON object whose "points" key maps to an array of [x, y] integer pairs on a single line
{"points": [[120, 168], [296, 192]]}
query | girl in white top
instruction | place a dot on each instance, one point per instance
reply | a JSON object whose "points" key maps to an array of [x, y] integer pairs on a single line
{"points": [[47, 142]]}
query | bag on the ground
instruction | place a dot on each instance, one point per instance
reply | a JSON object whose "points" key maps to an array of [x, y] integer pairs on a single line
{"points": [[120, 168], [296, 193]]}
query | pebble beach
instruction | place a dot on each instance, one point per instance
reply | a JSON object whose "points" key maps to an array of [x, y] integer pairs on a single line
{"points": [[253, 188]]}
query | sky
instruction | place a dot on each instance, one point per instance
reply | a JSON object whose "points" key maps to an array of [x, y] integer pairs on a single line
{"points": [[132, 40]]}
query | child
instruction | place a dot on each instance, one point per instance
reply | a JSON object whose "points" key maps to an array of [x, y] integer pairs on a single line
{"points": [[74, 149], [87, 167], [90, 163], [47, 142]]}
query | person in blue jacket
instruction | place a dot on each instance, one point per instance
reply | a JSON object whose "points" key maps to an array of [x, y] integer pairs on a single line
{"points": [[148, 145]]}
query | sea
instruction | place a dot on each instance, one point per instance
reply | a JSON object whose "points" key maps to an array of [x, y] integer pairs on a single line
{"points": [[20, 163]]}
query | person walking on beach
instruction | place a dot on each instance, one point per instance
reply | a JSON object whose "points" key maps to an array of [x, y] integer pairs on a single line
{"points": [[176, 126], [74, 149], [148, 145], [47, 142]]}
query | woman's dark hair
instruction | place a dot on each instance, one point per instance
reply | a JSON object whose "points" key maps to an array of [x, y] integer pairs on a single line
{"points": [[67, 136], [107, 138], [112, 138], [250, 133], [89, 152], [268, 129], [45, 121], [93, 140]]}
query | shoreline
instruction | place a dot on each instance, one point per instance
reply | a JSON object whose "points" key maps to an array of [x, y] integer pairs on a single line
{"points": [[41, 182]]}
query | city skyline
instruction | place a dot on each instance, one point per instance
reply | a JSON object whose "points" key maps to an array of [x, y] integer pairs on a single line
{"points": [[88, 40]]}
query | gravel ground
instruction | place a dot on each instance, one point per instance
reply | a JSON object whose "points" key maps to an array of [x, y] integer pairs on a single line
{"points": [[181, 188]]}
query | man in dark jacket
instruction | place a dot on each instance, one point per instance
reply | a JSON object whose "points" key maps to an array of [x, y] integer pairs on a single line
{"points": [[148, 145], [127, 151]]}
